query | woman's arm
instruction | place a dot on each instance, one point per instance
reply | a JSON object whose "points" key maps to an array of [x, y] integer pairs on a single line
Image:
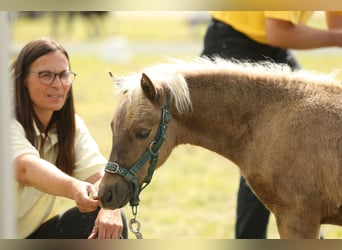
{"points": [[108, 224], [46, 177]]}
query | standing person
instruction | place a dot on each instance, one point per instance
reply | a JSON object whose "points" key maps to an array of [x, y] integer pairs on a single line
{"points": [[261, 36], [53, 152]]}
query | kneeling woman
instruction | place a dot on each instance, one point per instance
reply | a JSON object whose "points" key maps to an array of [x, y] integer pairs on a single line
{"points": [[54, 153]]}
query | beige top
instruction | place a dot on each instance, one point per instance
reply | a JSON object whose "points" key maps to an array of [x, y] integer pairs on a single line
{"points": [[34, 206]]}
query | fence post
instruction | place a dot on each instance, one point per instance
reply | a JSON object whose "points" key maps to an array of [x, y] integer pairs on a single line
{"points": [[7, 192]]}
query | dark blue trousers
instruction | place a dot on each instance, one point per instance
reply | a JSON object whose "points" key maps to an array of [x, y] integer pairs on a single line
{"points": [[72, 224]]}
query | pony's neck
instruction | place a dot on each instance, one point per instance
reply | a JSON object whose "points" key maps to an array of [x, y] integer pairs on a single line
{"points": [[228, 107]]}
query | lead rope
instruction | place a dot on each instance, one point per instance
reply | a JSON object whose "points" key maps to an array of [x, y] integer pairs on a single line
{"points": [[134, 224]]}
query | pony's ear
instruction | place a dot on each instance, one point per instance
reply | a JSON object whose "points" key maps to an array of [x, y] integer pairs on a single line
{"points": [[115, 78], [150, 91]]}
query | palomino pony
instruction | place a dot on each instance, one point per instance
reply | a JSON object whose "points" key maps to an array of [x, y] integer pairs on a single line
{"points": [[282, 129]]}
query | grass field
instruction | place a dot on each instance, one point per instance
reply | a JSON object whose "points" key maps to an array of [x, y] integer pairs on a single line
{"points": [[193, 195]]}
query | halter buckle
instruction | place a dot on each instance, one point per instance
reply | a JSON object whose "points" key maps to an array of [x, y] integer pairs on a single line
{"points": [[112, 167]]}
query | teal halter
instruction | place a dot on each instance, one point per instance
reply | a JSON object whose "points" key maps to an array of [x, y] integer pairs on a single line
{"points": [[150, 154]]}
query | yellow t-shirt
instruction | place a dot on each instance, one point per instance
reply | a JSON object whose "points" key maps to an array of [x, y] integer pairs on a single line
{"points": [[252, 23], [33, 206]]}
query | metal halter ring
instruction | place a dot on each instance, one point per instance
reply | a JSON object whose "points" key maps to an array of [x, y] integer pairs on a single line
{"points": [[150, 149]]}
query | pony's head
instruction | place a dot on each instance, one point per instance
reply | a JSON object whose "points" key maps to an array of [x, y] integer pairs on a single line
{"points": [[140, 142]]}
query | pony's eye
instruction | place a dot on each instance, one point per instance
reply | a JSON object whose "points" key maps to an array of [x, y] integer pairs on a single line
{"points": [[143, 133]]}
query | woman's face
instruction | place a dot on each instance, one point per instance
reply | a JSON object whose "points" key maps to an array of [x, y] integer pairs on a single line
{"points": [[47, 98]]}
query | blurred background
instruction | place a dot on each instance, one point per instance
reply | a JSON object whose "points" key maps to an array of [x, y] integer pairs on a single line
{"points": [[193, 195]]}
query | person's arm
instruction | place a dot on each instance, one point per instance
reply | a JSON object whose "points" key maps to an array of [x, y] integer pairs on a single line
{"points": [[46, 177], [90, 164], [108, 224], [333, 19], [285, 34]]}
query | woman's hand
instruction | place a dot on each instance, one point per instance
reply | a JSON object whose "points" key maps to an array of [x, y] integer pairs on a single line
{"points": [[108, 225], [85, 196]]}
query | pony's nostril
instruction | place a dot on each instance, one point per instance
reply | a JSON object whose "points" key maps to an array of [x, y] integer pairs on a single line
{"points": [[108, 196]]}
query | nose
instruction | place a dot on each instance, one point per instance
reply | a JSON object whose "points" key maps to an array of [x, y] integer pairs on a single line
{"points": [[57, 82]]}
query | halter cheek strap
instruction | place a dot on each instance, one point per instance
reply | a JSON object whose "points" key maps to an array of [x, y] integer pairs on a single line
{"points": [[150, 154]]}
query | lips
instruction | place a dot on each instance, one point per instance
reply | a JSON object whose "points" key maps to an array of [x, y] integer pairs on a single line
{"points": [[55, 96]]}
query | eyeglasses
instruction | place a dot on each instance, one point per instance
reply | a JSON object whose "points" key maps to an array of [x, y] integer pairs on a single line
{"points": [[48, 77]]}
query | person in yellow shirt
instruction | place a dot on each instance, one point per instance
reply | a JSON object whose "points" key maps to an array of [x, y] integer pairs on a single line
{"points": [[264, 36], [53, 152]]}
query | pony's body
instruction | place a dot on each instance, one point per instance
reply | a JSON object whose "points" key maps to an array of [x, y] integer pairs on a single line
{"points": [[282, 129]]}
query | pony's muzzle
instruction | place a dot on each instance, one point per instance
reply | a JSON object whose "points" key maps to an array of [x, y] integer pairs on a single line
{"points": [[114, 196]]}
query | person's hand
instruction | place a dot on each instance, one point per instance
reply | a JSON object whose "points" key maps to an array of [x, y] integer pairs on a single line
{"points": [[108, 225], [85, 196]]}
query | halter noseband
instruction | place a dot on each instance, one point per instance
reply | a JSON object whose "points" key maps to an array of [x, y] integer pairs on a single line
{"points": [[150, 154]]}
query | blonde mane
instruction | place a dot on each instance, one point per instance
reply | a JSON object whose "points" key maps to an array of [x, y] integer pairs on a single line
{"points": [[172, 76]]}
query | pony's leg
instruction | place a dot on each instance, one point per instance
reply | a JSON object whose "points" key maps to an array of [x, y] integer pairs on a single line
{"points": [[292, 226]]}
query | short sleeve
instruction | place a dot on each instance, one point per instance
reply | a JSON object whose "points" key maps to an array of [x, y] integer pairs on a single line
{"points": [[295, 17], [19, 143], [89, 159]]}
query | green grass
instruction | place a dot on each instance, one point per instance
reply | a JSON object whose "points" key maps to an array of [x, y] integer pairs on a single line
{"points": [[193, 195]]}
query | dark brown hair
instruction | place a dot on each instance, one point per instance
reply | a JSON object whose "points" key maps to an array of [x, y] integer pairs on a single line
{"points": [[63, 119]]}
